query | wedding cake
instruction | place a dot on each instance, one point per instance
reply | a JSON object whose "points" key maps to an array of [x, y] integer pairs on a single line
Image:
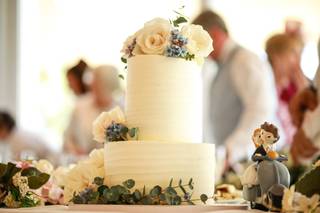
{"points": [[159, 137]]}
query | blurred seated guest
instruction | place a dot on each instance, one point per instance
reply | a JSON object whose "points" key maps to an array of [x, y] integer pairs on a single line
{"points": [[284, 55], [305, 110], [78, 136], [17, 144], [240, 94], [75, 77]]}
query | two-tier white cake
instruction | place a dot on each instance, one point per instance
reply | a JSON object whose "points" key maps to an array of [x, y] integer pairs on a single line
{"points": [[164, 101]]}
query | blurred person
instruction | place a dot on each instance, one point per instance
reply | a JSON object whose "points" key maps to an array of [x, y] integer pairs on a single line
{"points": [[240, 95], [75, 77], [78, 136], [18, 144], [284, 56], [305, 110]]}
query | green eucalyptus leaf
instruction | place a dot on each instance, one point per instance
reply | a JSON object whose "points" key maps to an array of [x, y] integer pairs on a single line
{"points": [[101, 189], [137, 195], [36, 182], [171, 191], [180, 182], [155, 191], [179, 21], [121, 76], [144, 191], [78, 199], [170, 184], [124, 130], [124, 60], [162, 197], [129, 183], [31, 171], [190, 181], [146, 200], [176, 200], [93, 198], [133, 132], [98, 181], [204, 198], [112, 195]]}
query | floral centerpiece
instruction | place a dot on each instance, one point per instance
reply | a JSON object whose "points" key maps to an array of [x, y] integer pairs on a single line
{"points": [[18, 183]]}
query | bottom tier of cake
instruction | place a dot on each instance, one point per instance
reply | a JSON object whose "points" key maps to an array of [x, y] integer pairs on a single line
{"points": [[155, 163]]}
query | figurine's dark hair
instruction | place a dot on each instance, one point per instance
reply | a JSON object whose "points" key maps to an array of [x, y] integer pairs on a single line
{"points": [[271, 128]]}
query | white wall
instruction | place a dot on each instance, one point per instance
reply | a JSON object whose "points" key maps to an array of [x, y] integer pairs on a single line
{"points": [[8, 55]]}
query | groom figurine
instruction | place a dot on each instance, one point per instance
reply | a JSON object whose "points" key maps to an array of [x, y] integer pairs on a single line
{"points": [[240, 97]]}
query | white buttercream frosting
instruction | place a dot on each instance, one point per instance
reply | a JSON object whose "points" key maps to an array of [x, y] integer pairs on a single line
{"points": [[164, 98], [152, 163]]}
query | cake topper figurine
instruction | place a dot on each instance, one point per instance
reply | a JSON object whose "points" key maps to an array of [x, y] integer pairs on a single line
{"points": [[264, 181]]}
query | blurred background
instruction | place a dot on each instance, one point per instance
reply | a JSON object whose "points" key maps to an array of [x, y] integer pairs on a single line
{"points": [[41, 39]]}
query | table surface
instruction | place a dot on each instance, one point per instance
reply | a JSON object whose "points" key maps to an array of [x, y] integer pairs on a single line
{"points": [[132, 209]]}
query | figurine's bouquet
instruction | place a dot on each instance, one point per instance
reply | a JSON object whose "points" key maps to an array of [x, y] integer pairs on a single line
{"points": [[18, 182]]}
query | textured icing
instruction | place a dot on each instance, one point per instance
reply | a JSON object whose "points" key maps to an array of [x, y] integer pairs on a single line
{"points": [[164, 98], [152, 163]]}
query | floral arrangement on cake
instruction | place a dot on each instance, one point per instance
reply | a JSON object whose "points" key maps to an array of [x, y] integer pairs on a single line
{"points": [[111, 126], [82, 175], [18, 182], [168, 38]]}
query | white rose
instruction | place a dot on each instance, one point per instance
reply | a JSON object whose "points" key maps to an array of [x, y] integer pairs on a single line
{"points": [[199, 40], [96, 158], [43, 166], [59, 174], [154, 37], [102, 122], [79, 178]]}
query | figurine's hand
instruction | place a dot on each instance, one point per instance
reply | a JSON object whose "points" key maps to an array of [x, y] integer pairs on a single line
{"points": [[302, 147], [273, 155], [306, 99]]}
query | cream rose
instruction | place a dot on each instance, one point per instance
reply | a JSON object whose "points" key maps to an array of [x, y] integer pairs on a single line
{"points": [[154, 37], [81, 177], [97, 158], [102, 122], [199, 40]]}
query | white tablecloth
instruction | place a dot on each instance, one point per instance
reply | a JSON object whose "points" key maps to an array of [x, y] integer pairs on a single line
{"points": [[128, 209]]}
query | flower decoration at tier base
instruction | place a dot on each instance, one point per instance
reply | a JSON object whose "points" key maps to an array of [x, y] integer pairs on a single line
{"points": [[266, 182]]}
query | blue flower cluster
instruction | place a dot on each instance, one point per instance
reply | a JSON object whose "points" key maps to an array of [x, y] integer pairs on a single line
{"points": [[116, 132], [177, 46]]}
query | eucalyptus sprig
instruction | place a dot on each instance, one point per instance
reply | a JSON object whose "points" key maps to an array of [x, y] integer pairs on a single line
{"points": [[124, 194]]}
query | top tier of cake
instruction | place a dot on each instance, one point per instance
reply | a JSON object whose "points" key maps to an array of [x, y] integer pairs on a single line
{"points": [[164, 98]]}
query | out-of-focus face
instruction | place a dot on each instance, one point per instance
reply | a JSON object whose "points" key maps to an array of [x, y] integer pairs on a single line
{"points": [[101, 94], [218, 37], [74, 84], [4, 133], [284, 65]]}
